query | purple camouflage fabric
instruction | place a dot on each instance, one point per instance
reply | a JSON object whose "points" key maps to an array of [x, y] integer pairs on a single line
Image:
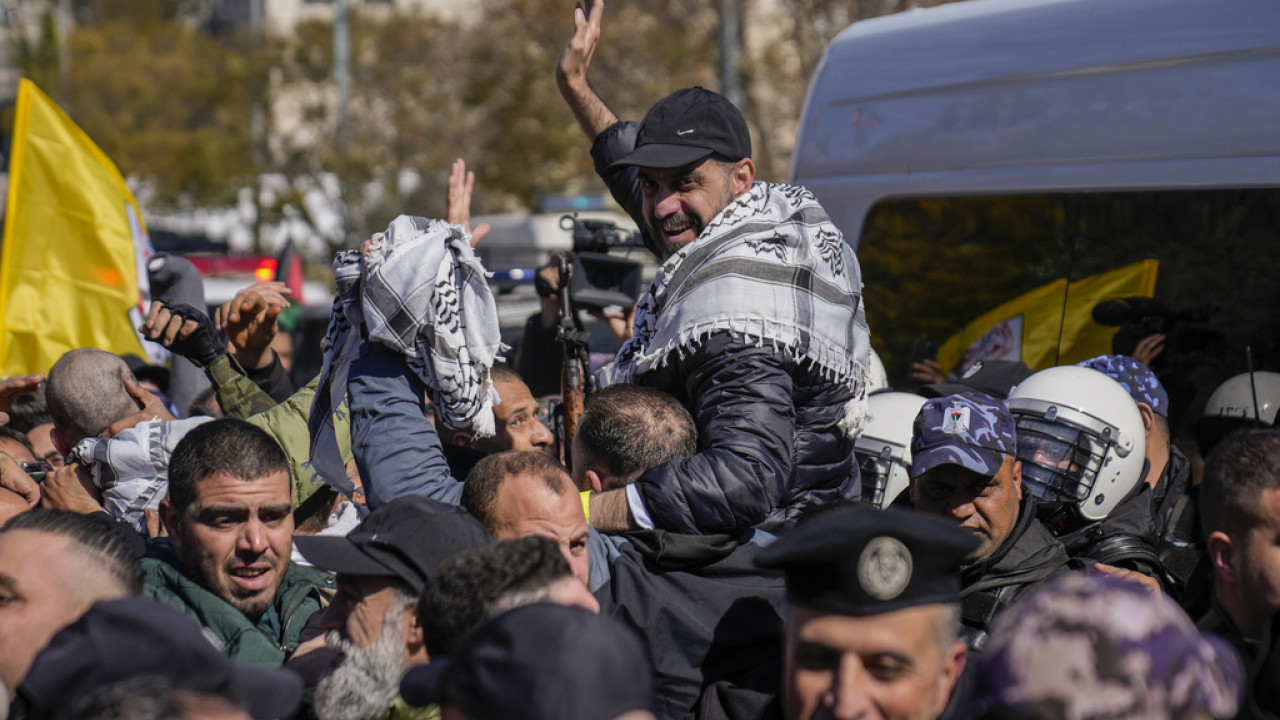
{"points": [[1093, 647], [972, 430], [1137, 379]]}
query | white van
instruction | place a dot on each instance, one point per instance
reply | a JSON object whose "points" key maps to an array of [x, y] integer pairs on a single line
{"points": [[977, 150]]}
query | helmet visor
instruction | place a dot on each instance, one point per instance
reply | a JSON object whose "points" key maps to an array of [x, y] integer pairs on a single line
{"points": [[875, 471], [1058, 462]]}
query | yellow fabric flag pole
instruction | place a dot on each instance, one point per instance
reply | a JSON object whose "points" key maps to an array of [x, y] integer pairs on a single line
{"points": [[73, 265], [1027, 328]]}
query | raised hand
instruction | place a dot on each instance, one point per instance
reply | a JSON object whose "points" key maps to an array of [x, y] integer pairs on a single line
{"points": [[571, 72], [249, 320], [458, 205], [183, 330]]}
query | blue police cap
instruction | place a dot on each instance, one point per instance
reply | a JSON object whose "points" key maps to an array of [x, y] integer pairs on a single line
{"points": [[1137, 379], [972, 430]]}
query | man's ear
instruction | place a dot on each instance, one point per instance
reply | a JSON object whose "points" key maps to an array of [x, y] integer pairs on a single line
{"points": [[59, 442], [1148, 419], [744, 173], [597, 483], [415, 643], [172, 521], [461, 438], [1017, 477], [1221, 549], [953, 666]]}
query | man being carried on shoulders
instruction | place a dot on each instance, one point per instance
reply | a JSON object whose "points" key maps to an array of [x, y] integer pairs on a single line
{"points": [[754, 322]]}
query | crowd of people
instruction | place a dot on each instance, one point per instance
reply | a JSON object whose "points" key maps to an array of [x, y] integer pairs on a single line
{"points": [[746, 522]]}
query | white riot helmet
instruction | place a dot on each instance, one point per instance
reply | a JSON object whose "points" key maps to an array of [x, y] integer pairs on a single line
{"points": [[883, 451], [1231, 407], [877, 378], [1080, 439]]}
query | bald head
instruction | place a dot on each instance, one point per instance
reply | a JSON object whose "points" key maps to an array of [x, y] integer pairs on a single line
{"points": [[86, 392]]}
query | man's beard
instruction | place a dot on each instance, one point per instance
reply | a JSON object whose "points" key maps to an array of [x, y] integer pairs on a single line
{"points": [[697, 224], [368, 680]]}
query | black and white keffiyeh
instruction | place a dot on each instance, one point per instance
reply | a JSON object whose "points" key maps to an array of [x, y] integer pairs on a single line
{"points": [[422, 292], [132, 469], [771, 267]]}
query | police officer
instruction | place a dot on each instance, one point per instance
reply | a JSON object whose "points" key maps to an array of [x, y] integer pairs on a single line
{"points": [[963, 468], [1175, 530], [874, 603]]}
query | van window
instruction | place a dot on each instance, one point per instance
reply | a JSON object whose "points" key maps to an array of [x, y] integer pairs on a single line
{"points": [[932, 265]]}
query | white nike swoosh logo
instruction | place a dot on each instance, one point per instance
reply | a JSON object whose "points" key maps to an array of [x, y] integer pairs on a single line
{"points": [[683, 132]]}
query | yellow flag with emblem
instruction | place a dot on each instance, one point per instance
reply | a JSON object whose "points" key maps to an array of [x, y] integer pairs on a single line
{"points": [[1028, 327], [73, 264]]}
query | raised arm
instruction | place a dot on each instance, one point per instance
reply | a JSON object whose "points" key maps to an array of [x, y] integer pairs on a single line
{"points": [[395, 446], [593, 116]]}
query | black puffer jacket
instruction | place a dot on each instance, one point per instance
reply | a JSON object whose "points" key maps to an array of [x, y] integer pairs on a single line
{"points": [[768, 440], [769, 444]]}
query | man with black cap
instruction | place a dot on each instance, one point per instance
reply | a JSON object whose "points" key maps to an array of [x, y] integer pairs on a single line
{"points": [[121, 640], [383, 565], [964, 468], [540, 662], [874, 597], [754, 322]]}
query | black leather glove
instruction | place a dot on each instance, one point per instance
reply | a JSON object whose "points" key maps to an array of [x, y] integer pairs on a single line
{"points": [[202, 346]]}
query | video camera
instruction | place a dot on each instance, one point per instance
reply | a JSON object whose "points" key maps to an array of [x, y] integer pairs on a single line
{"points": [[599, 279], [1188, 341]]}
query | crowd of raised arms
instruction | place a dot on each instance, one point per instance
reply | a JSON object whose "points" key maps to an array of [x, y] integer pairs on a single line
{"points": [[742, 521]]}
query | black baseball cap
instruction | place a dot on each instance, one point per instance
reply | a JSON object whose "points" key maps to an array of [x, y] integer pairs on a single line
{"points": [[686, 126], [862, 561], [133, 637], [540, 662], [406, 539], [996, 378]]}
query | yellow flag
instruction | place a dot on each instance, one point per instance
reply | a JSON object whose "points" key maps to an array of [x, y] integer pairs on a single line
{"points": [[1027, 328], [73, 266]]}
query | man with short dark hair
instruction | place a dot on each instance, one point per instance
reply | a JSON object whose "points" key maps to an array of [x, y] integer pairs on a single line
{"points": [[754, 323], [372, 627], [480, 584], [1240, 513], [625, 430], [516, 494], [54, 565], [875, 596], [226, 563]]}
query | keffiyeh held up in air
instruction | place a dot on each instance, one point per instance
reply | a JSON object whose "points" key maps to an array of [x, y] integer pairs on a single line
{"points": [[422, 292], [770, 267]]}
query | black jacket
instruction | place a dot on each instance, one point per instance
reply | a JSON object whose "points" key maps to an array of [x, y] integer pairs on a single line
{"points": [[769, 445], [707, 614], [1028, 557]]}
